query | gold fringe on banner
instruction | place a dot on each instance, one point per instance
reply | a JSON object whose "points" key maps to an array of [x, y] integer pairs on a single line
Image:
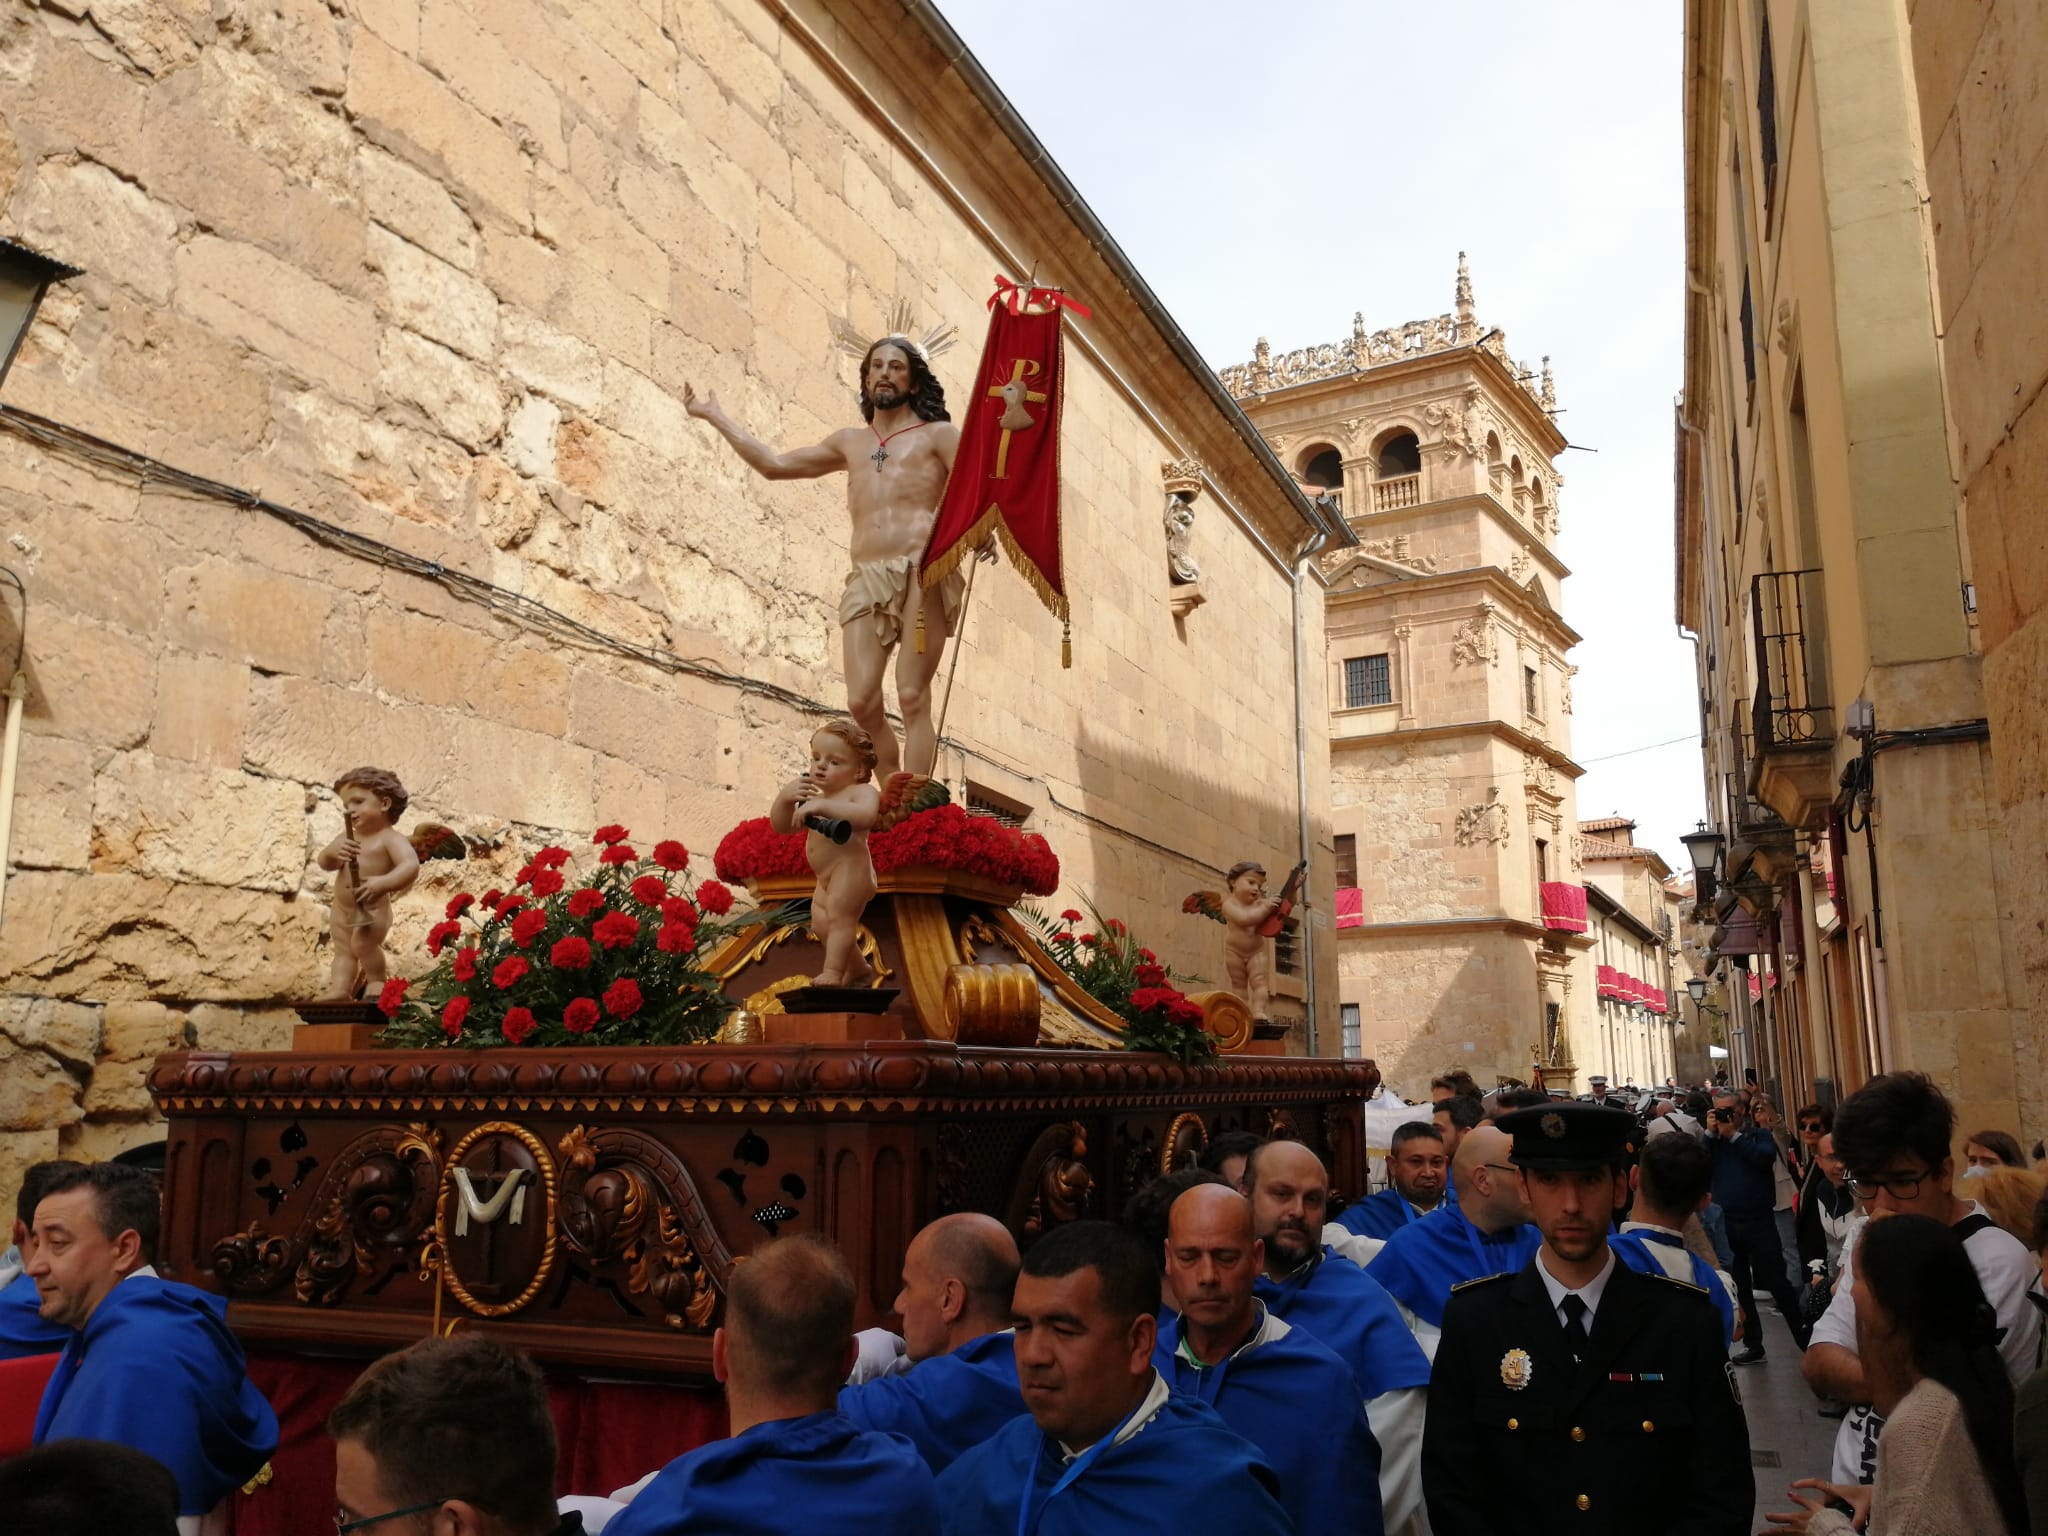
{"points": [[992, 524]]}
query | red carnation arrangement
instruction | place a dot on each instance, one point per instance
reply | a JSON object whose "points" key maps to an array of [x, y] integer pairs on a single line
{"points": [[1128, 980], [550, 962], [944, 837]]}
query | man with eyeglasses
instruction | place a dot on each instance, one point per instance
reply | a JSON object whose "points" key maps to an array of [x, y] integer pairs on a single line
{"points": [[452, 1436], [1894, 1135], [1744, 1187]]}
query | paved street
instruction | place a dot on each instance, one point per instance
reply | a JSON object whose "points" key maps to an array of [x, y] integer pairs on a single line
{"points": [[1787, 1438]]}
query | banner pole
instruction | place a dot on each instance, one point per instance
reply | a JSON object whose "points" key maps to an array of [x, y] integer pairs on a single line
{"points": [[959, 637]]}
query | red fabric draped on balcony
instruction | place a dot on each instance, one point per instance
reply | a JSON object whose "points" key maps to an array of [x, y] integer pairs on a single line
{"points": [[1609, 982], [1350, 907], [1564, 906]]}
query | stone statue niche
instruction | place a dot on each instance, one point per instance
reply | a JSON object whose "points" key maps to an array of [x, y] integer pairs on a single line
{"points": [[1183, 479]]}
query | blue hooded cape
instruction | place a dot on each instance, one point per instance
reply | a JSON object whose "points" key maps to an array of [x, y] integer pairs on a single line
{"points": [[1423, 1260], [789, 1477], [22, 1329], [1633, 1250], [1299, 1404], [1349, 1312], [947, 1404], [1380, 1215], [1185, 1473], [156, 1368]]}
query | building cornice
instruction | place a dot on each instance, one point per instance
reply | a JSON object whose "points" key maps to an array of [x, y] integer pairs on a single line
{"points": [[1427, 927], [1371, 522], [1496, 581], [1002, 182], [1500, 730]]}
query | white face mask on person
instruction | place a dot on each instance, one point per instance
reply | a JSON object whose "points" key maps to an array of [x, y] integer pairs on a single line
{"points": [[1973, 1171]]}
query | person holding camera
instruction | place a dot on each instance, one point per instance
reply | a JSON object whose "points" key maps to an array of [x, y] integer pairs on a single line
{"points": [[1744, 1157]]}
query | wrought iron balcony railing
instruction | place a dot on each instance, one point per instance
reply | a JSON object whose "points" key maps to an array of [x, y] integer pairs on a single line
{"points": [[1790, 711]]}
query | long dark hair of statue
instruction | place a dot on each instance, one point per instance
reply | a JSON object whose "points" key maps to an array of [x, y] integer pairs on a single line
{"points": [[927, 395]]}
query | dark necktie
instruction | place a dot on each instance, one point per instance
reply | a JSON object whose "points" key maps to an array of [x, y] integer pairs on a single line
{"points": [[1574, 1308]]}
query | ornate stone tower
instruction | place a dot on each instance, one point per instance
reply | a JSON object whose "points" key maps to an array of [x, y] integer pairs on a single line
{"points": [[1460, 909]]}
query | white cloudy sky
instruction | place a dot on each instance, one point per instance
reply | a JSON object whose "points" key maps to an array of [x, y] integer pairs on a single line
{"points": [[1271, 168]]}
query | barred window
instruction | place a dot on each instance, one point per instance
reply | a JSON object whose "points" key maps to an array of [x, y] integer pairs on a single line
{"points": [[1354, 1042], [1367, 681]]}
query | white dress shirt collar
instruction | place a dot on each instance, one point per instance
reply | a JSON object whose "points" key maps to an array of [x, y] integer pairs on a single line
{"points": [[1589, 1293]]}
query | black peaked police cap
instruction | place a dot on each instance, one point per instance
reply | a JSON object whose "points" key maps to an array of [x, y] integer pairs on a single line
{"points": [[1565, 1136]]}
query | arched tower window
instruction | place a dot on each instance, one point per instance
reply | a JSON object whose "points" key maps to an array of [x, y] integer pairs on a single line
{"points": [[1400, 455], [1323, 468]]}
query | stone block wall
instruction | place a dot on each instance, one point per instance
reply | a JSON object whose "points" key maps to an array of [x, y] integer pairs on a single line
{"points": [[436, 272]]}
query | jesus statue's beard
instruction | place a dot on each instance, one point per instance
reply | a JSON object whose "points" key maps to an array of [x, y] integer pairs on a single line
{"points": [[887, 397]]}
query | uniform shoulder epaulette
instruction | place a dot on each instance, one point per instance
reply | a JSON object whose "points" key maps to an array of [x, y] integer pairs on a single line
{"points": [[1683, 1285], [1466, 1285]]}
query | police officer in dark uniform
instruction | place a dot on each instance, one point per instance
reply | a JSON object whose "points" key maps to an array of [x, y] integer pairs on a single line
{"points": [[1559, 1393]]}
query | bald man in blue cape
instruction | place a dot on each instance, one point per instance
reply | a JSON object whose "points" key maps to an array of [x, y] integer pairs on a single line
{"points": [[794, 1463], [1274, 1384], [1107, 1446], [150, 1363], [1481, 1231], [958, 1276]]}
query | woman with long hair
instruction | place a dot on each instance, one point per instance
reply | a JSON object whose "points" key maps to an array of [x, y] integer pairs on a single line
{"points": [[1928, 1341]]}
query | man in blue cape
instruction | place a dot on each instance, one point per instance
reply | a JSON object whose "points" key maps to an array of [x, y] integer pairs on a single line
{"points": [[150, 1363], [1671, 1179], [1343, 1308], [794, 1459], [1482, 1231], [1417, 1168], [1275, 1385], [23, 1328], [958, 1277], [1107, 1446]]}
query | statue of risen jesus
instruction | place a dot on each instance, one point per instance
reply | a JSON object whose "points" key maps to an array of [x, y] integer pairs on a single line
{"points": [[896, 468]]}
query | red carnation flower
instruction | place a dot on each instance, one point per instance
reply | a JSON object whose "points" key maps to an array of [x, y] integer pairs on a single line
{"points": [[1063, 937], [622, 998], [510, 905], [676, 910], [1184, 1013], [1070, 916], [619, 853], [611, 832], [616, 929], [453, 1015], [675, 939], [649, 891], [392, 998], [460, 903], [1145, 999], [465, 962], [714, 898], [1090, 940], [440, 934], [570, 954], [526, 873], [545, 882], [509, 970], [551, 857], [1148, 957], [1151, 975], [527, 925], [579, 1016], [586, 901], [1117, 927], [519, 1023], [670, 854]]}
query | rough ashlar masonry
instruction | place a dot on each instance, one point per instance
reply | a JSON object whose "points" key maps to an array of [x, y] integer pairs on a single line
{"points": [[435, 272]]}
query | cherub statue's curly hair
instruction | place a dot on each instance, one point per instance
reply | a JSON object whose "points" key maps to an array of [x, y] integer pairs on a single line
{"points": [[382, 783]]}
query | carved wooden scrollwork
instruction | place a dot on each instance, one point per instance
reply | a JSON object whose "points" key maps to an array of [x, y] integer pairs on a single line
{"points": [[1280, 1126], [374, 1203], [1054, 1184], [949, 1168], [631, 1212], [471, 1266]]}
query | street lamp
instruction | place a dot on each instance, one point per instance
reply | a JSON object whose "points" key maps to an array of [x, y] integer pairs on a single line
{"points": [[24, 275], [1697, 986], [1703, 847]]}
